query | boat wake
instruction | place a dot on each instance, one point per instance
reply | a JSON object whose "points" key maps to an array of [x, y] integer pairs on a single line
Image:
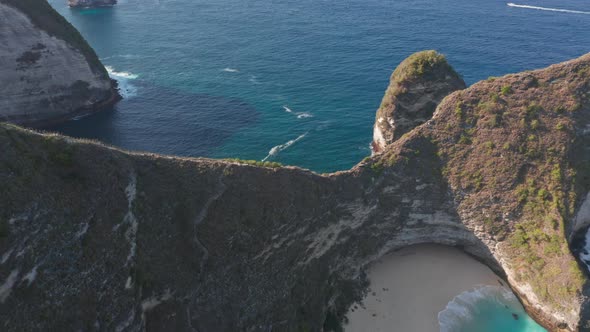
{"points": [[126, 88], [510, 4], [275, 150]]}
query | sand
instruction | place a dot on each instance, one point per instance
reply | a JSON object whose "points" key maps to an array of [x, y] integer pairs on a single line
{"points": [[411, 286]]}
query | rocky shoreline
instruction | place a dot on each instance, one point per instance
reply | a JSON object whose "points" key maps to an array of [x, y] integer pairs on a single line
{"points": [[103, 105]]}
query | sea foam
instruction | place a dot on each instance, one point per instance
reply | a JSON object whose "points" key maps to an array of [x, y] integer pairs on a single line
{"points": [[300, 115], [126, 88], [463, 307], [231, 70], [510, 4], [486, 309], [585, 252]]}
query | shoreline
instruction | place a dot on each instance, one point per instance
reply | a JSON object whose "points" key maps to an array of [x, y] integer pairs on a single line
{"points": [[410, 287]]}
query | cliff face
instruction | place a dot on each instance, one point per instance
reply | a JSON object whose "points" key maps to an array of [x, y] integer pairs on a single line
{"points": [[95, 238], [49, 73], [416, 87]]}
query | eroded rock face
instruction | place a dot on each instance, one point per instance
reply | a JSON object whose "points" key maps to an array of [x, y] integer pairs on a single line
{"points": [[92, 237], [44, 78], [417, 86]]}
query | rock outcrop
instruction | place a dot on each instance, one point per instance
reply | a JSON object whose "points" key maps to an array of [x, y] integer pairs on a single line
{"points": [[95, 238], [416, 87], [48, 72], [91, 3]]}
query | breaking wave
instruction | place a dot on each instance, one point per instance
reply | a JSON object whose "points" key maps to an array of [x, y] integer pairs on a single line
{"points": [[486, 309], [126, 88], [275, 150], [510, 4]]}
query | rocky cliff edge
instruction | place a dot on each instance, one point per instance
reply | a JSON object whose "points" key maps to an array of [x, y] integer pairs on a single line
{"points": [[95, 238]]}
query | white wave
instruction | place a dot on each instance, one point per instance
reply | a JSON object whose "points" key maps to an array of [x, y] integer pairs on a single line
{"points": [[253, 79], [124, 56], [300, 115], [230, 70], [275, 150], [510, 4], [126, 88], [121, 74], [464, 307], [585, 254]]}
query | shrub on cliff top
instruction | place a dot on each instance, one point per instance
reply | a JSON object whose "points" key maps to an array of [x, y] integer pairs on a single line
{"points": [[422, 64]]}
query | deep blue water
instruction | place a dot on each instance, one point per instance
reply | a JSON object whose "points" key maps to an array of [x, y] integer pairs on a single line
{"points": [[328, 59]]}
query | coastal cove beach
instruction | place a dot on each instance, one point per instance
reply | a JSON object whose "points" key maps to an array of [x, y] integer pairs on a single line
{"points": [[433, 288]]}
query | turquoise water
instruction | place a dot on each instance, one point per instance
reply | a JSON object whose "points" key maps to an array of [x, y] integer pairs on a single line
{"points": [[213, 77], [486, 309]]}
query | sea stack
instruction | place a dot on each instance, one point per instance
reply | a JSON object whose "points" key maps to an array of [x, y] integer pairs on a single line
{"points": [[416, 87], [91, 3], [49, 73]]}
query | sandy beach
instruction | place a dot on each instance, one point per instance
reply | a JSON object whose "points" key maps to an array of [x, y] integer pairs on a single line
{"points": [[411, 286]]}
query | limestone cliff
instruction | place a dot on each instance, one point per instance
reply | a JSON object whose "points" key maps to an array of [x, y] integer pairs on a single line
{"points": [[417, 86], [49, 73], [95, 238]]}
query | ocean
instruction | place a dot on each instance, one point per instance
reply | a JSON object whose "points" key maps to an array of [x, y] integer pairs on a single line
{"points": [[296, 82], [235, 78]]}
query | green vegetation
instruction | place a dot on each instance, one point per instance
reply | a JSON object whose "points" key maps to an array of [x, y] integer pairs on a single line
{"points": [[422, 64], [267, 164], [459, 110], [494, 97], [464, 139], [506, 90], [47, 19]]}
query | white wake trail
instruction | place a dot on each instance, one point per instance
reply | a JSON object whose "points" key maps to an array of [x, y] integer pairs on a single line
{"points": [[510, 4], [275, 150]]}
